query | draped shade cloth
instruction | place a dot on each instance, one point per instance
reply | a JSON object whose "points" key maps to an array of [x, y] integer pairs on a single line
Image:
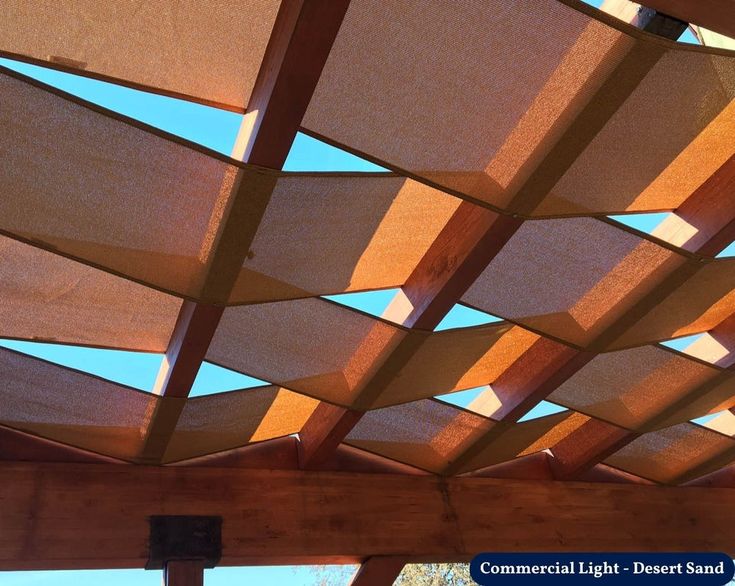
{"points": [[535, 119]]}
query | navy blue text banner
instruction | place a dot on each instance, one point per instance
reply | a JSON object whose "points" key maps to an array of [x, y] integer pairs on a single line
{"points": [[602, 569]]}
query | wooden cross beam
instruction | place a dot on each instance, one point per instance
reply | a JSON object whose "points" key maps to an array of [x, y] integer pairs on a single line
{"points": [[56, 516]]}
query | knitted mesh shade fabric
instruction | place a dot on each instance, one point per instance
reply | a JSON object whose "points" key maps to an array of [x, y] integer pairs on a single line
{"points": [[209, 51], [665, 455], [547, 139]]}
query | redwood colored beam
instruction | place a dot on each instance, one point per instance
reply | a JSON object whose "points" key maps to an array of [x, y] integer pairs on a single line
{"points": [[715, 15], [595, 440], [532, 467], [194, 329], [59, 515], [541, 370], [461, 252], [282, 454], [302, 38], [378, 571], [530, 379], [323, 432], [584, 448], [17, 445], [709, 210], [183, 573], [472, 237]]}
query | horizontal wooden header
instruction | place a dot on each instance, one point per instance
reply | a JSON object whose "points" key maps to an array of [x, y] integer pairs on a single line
{"points": [[96, 515]]}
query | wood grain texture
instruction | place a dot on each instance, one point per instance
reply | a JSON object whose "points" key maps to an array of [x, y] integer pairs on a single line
{"points": [[184, 573], [90, 515], [472, 237]]}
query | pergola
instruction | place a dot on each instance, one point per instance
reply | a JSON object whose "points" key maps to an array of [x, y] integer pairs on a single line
{"points": [[512, 130]]}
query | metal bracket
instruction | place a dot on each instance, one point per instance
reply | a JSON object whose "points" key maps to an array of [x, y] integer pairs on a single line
{"points": [[184, 537]]}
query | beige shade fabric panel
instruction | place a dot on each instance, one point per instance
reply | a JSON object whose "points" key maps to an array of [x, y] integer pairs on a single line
{"points": [[705, 300], [123, 207], [120, 202], [667, 454], [521, 439], [572, 278], [447, 109], [331, 233], [208, 50], [312, 346], [333, 353], [458, 359], [631, 387], [717, 397], [229, 420], [72, 407], [427, 434], [46, 297]]}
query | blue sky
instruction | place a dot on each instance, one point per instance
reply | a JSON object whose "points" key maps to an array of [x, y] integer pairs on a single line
{"points": [[216, 129]]}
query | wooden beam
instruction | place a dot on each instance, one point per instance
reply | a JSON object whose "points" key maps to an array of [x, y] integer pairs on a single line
{"points": [[715, 15], [302, 38], [472, 237], [705, 222], [17, 445], [282, 454], [378, 571], [595, 440], [586, 446], [710, 211], [184, 573], [530, 379], [544, 367], [55, 516], [532, 467]]}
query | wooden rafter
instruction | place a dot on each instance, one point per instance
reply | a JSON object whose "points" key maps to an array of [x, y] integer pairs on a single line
{"points": [[471, 239], [711, 210], [302, 37]]}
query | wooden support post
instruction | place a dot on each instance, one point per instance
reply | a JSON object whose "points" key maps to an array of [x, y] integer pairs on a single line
{"points": [[378, 571], [184, 573]]}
